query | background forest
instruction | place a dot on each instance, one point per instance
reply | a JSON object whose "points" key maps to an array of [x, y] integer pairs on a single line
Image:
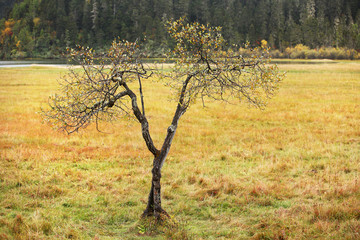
{"points": [[36, 28]]}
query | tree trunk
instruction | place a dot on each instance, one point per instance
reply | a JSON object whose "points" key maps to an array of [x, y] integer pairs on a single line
{"points": [[154, 201]]}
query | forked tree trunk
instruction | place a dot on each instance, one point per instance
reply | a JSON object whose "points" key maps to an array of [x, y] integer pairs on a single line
{"points": [[154, 201]]}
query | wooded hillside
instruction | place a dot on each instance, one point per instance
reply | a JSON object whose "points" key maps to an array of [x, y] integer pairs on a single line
{"points": [[45, 28]]}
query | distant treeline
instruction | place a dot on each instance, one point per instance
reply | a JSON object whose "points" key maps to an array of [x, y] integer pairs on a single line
{"points": [[44, 28]]}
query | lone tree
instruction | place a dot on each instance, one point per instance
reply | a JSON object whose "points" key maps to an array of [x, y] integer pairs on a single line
{"points": [[203, 68]]}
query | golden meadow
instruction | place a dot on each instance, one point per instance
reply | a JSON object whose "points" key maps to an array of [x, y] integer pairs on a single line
{"points": [[290, 171]]}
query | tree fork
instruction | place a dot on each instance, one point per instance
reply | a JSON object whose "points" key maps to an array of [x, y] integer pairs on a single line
{"points": [[154, 201]]}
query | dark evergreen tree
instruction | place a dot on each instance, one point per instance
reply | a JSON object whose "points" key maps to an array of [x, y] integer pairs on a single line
{"points": [[49, 26]]}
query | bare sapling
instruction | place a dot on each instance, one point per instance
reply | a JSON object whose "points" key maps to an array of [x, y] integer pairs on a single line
{"points": [[205, 68]]}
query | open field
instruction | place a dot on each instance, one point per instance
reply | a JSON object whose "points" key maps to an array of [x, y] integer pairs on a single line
{"points": [[291, 171]]}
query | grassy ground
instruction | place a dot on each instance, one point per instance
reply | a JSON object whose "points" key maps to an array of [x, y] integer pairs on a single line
{"points": [[291, 171]]}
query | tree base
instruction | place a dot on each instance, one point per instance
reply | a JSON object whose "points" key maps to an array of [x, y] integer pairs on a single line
{"points": [[167, 227], [159, 214]]}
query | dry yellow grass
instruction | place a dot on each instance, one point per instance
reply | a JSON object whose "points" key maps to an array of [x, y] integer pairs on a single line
{"points": [[288, 172]]}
